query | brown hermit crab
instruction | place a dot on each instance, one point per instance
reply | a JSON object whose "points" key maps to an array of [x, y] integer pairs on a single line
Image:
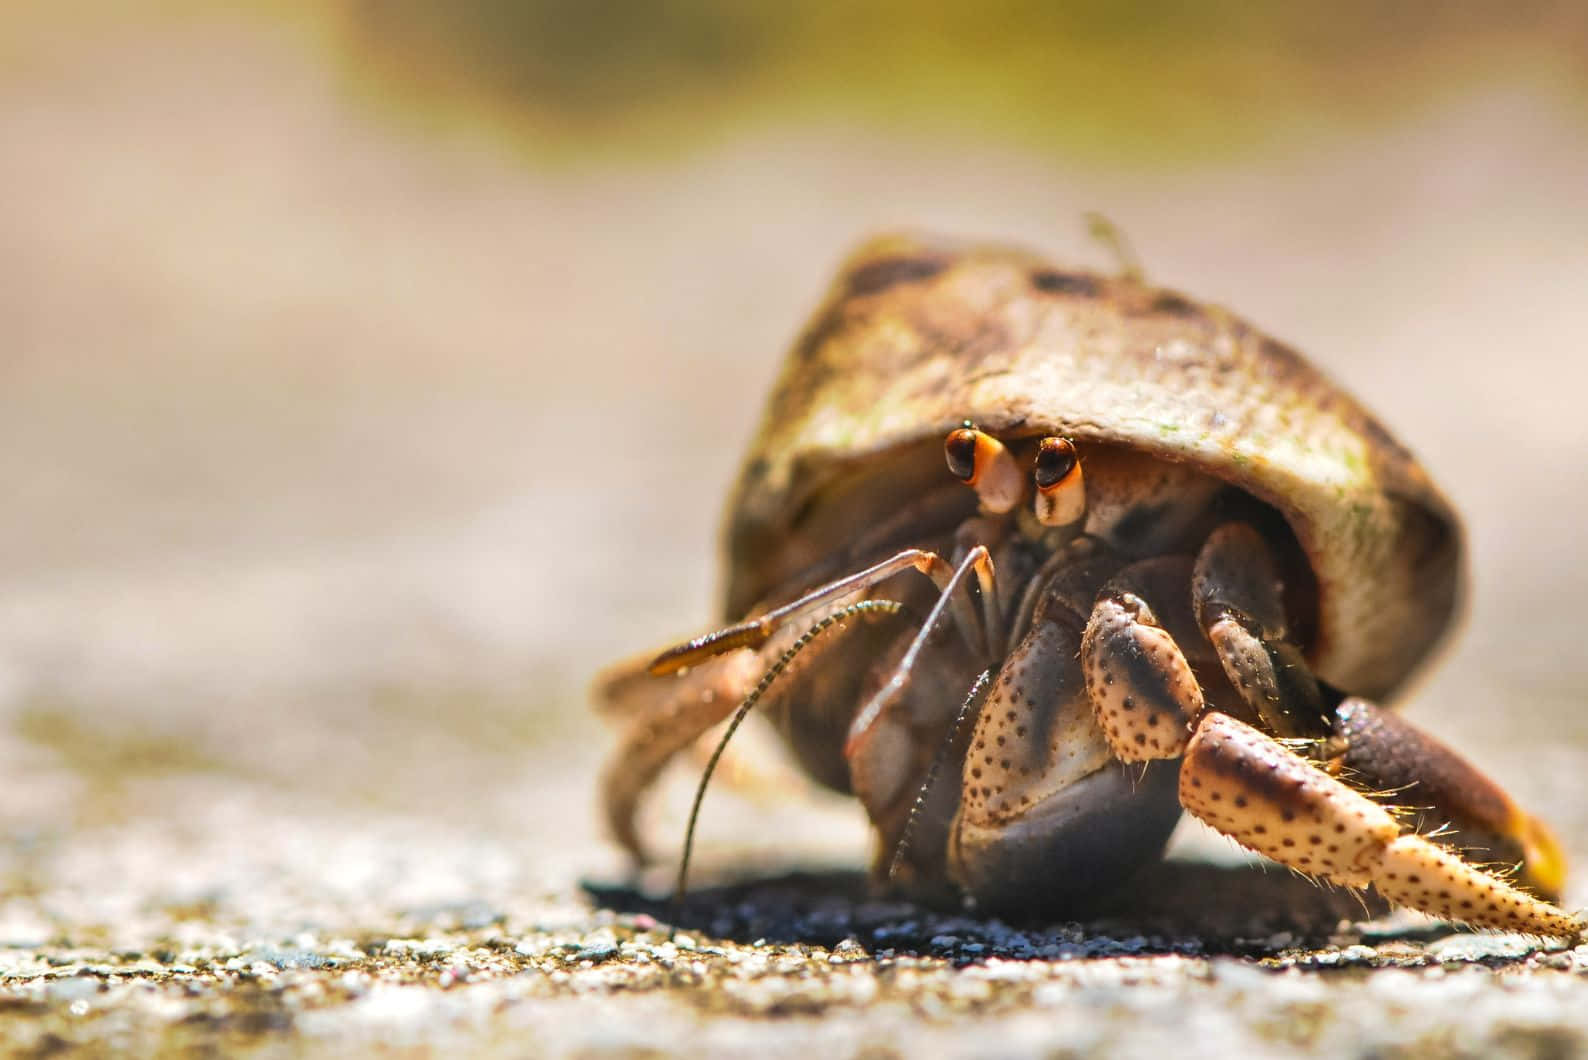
{"points": [[1164, 560]]}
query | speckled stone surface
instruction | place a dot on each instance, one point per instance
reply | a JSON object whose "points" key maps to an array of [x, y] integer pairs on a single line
{"points": [[777, 967]]}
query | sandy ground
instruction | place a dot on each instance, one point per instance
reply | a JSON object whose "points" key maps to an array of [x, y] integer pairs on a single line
{"points": [[337, 455]]}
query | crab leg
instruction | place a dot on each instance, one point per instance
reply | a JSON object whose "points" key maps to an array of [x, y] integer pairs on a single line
{"points": [[1384, 752], [1043, 797], [1140, 683], [1263, 794], [978, 560], [879, 734], [666, 719], [712, 673], [1238, 603], [1266, 797], [1236, 592], [752, 633]]}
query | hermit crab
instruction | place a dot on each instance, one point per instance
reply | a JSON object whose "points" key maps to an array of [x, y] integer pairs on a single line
{"points": [[1030, 559]]}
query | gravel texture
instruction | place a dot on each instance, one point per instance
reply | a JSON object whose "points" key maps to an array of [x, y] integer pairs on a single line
{"points": [[1207, 961]]}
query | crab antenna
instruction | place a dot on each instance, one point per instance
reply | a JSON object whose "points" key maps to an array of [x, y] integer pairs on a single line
{"points": [[1112, 237], [859, 607], [982, 462], [1061, 491], [903, 846]]}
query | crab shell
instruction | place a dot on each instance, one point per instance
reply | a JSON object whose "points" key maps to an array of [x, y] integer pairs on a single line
{"points": [[918, 336]]}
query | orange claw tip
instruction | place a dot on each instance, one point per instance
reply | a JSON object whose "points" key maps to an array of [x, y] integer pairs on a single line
{"points": [[1544, 864]]}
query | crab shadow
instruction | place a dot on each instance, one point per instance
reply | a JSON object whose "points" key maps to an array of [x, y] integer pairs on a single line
{"points": [[1170, 907]]}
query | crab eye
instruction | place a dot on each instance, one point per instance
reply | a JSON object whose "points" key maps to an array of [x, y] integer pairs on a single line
{"points": [[1061, 493], [960, 449], [982, 462], [1055, 460]]}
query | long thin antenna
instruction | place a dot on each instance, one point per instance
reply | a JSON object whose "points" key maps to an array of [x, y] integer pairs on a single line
{"points": [[903, 845], [859, 607]]}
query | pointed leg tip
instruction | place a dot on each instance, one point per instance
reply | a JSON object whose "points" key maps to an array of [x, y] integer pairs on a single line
{"points": [[1434, 879]]}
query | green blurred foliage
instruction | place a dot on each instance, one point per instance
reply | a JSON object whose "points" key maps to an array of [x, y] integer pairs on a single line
{"points": [[1155, 77]]}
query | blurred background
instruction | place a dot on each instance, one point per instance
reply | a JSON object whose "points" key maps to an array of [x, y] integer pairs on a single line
{"points": [[372, 372]]}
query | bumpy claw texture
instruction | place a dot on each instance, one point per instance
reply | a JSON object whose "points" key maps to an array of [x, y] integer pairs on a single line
{"points": [[1034, 735], [1141, 686], [1240, 607], [1388, 753], [1269, 675], [1434, 879], [1252, 788]]}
